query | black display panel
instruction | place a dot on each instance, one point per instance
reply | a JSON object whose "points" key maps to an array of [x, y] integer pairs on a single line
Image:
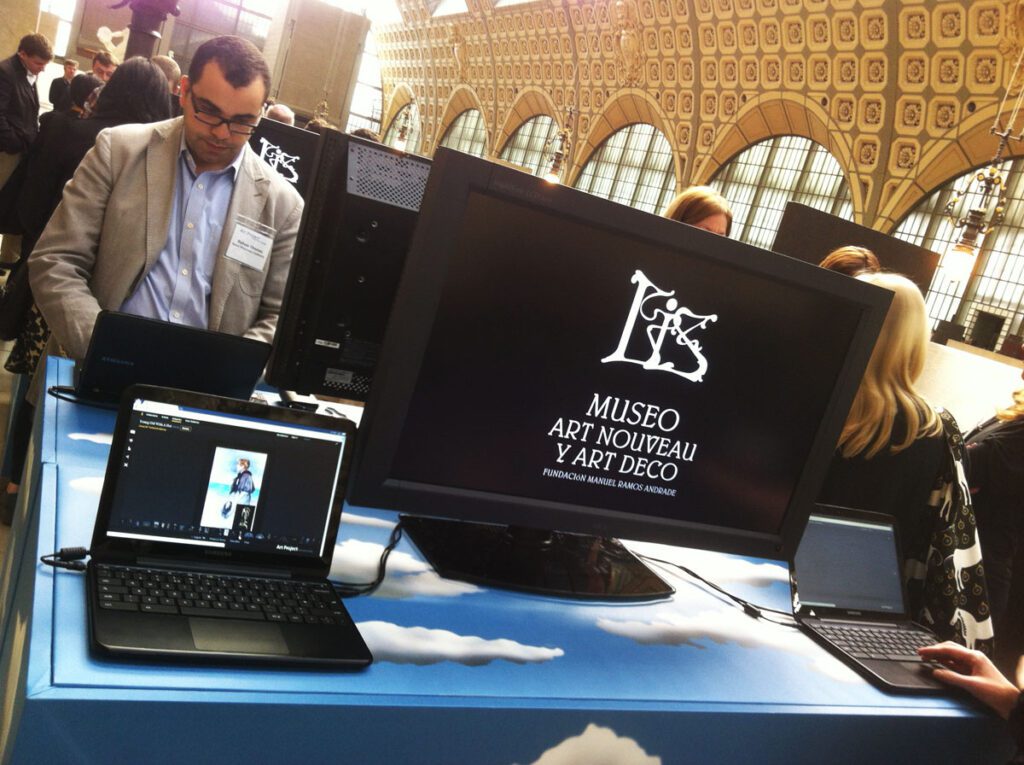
{"points": [[809, 235], [850, 563], [559, 361], [356, 228]]}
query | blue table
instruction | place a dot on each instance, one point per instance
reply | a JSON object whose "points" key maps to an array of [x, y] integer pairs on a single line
{"points": [[462, 674]]}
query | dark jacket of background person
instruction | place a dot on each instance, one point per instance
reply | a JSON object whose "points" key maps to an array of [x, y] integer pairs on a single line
{"points": [[81, 87], [137, 92], [995, 451], [897, 484], [60, 94], [19, 107]]}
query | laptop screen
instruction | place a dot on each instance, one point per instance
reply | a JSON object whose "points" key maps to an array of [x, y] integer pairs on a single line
{"points": [[211, 479], [850, 564]]}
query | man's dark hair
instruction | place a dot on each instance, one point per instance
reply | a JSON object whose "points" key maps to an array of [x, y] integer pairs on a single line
{"points": [[239, 59], [81, 86], [104, 58], [137, 92], [36, 45]]}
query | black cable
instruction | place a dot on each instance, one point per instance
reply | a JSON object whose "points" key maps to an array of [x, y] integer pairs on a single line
{"points": [[67, 557], [352, 589], [750, 609]]}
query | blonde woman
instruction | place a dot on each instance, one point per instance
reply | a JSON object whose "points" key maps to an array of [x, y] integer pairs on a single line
{"points": [[703, 207], [897, 455]]}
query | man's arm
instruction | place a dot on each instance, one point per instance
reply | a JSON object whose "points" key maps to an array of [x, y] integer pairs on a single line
{"points": [[61, 266], [277, 277]]}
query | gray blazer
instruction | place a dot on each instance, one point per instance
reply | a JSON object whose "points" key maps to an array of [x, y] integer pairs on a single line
{"points": [[112, 223]]}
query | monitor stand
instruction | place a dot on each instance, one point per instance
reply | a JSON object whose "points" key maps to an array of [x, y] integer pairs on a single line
{"points": [[546, 562]]}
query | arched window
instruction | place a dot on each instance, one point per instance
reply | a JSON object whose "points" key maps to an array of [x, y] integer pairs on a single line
{"points": [[368, 95], [526, 147], [988, 305], [467, 133], [408, 116], [201, 20], [759, 181], [633, 166]]}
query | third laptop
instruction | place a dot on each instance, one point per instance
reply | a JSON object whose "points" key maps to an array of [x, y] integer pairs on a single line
{"points": [[848, 594], [126, 350]]}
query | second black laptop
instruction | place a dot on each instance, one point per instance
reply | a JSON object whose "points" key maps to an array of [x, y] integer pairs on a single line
{"points": [[127, 350], [849, 596], [215, 534]]}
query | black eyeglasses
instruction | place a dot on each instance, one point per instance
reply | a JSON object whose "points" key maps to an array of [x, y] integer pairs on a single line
{"points": [[208, 118]]}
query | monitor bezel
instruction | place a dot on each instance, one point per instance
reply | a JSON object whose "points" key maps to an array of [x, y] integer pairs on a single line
{"points": [[454, 177]]}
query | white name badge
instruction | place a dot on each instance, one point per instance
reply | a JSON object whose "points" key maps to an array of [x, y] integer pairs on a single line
{"points": [[251, 243]]}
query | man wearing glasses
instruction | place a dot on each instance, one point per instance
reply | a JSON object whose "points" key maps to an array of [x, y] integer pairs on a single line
{"points": [[177, 220]]}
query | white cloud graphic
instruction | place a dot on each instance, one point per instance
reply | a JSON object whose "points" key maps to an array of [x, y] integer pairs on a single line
{"points": [[357, 561], [105, 439], [716, 567], [92, 484], [420, 645], [597, 746], [365, 520], [728, 627]]}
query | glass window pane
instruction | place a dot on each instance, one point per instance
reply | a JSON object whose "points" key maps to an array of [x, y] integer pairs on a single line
{"points": [[997, 289], [633, 166], [532, 145], [412, 138], [762, 179], [467, 134]]}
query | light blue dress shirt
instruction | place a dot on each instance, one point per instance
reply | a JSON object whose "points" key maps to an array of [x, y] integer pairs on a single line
{"points": [[177, 288]]}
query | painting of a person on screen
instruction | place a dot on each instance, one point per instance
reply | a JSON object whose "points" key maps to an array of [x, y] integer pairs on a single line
{"points": [[235, 479], [242, 486]]}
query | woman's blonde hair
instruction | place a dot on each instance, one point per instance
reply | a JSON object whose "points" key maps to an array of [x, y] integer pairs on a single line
{"points": [[1014, 410], [887, 387], [851, 260], [697, 203]]}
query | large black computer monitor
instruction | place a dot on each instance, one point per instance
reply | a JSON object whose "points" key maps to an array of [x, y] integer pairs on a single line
{"points": [[356, 227], [809, 235], [561, 362]]}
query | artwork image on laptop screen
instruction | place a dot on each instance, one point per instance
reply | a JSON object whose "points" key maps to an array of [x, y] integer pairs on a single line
{"points": [[205, 478], [234, 489]]}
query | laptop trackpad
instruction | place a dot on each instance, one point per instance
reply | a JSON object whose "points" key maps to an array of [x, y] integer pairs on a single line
{"points": [[230, 636]]}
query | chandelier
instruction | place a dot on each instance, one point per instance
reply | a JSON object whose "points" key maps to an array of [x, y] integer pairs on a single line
{"points": [[559, 146], [985, 192], [402, 139]]}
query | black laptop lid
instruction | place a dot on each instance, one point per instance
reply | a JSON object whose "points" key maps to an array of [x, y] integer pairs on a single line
{"points": [[126, 350], [197, 479], [848, 564]]}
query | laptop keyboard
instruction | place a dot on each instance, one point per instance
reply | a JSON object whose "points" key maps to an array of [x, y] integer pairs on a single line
{"points": [[860, 642], [157, 591]]}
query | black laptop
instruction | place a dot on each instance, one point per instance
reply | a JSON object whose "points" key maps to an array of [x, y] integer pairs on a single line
{"points": [[126, 350], [848, 594], [215, 533]]}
